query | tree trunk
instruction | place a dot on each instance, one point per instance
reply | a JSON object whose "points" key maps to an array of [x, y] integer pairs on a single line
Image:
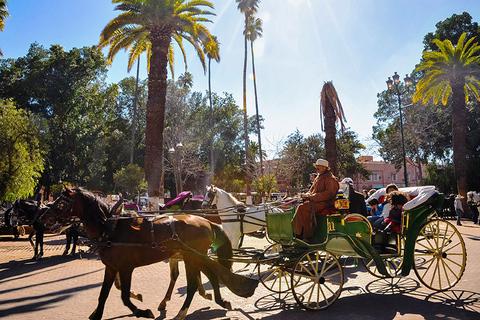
{"points": [[157, 92], [247, 156], [212, 160], [330, 137], [459, 138], [256, 109]]}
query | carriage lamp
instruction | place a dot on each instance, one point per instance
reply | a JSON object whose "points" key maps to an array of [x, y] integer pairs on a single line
{"points": [[394, 84]]}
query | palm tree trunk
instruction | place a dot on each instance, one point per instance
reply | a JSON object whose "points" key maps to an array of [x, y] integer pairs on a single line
{"points": [[134, 116], [256, 108], [459, 138], [212, 160], [157, 92], [247, 156], [330, 139]]}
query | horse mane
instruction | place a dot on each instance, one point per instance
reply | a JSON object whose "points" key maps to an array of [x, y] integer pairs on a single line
{"points": [[99, 210], [232, 199]]}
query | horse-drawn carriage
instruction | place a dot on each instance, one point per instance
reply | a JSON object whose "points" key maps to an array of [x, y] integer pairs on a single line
{"points": [[311, 269]]}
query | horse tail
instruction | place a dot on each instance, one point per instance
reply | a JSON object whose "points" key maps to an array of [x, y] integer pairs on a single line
{"points": [[222, 246]]}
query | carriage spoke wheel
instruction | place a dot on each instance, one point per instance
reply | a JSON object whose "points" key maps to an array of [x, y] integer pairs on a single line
{"points": [[275, 277], [440, 256], [392, 264], [317, 280]]}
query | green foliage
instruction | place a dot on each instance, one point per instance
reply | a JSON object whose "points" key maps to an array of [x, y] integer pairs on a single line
{"points": [[265, 184], [442, 177], [348, 149], [451, 29], [298, 155], [130, 180], [21, 159]]}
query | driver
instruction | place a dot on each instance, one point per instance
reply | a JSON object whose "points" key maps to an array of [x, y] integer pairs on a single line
{"points": [[322, 192]]}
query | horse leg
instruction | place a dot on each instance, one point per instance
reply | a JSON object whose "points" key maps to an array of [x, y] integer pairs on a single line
{"points": [[192, 285], [68, 235], [75, 239], [126, 280], [39, 243], [133, 295], [201, 290], [173, 263], [30, 238], [107, 284]]}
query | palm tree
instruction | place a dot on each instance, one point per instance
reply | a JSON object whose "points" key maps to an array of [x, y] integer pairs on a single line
{"points": [[254, 30], [332, 111], [248, 8], [453, 70], [3, 15], [150, 25], [212, 49]]}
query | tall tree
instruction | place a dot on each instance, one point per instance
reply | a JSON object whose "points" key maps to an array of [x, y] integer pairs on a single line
{"points": [[150, 25], [248, 8], [253, 31], [212, 49], [3, 15], [331, 111], [453, 70], [21, 159]]}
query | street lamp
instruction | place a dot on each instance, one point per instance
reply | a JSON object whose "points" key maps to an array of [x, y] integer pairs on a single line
{"points": [[175, 153], [393, 84]]}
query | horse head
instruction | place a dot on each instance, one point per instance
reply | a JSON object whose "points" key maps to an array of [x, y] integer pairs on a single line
{"points": [[210, 199], [74, 206]]}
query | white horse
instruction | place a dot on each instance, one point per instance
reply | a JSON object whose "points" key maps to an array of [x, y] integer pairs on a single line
{"points": [[237, 218]]}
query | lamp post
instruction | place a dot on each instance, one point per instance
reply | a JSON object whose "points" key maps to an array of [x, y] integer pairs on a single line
{"points": [[393, 84], [175, 153]]}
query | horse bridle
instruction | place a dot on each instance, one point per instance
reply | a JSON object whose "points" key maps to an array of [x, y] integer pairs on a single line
{"points": [[211, 194], [64, 204]]}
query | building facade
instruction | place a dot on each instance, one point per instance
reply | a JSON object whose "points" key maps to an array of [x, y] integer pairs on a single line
{"points": [[383, 173]]}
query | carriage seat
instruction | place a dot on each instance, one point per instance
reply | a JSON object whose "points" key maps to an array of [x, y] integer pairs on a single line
{"points": [[330, 210], [424, 195], [181, 196]]}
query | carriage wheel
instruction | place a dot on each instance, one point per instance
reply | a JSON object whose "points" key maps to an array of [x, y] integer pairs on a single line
{"points": [[317, 280], [440, 256], [392, 264], [274, 277]]}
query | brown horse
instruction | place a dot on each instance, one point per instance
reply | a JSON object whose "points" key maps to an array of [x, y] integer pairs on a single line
{"points": [[126, 243]]}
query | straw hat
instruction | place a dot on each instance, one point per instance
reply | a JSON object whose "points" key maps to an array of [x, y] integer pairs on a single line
{"points": [[321, 162]]}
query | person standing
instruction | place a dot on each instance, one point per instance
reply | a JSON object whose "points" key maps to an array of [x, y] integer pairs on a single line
{"points": [[458, 209], [356, 199], [473, 206], [322, 194]]}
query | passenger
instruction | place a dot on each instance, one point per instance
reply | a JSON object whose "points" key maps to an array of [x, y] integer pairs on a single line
{"points": [[375, 207], [322, 193], [396, 199], [376, 221], [356, 199]]}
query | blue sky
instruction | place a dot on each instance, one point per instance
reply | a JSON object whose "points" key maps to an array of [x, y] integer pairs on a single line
{"points": [[357, 44]]}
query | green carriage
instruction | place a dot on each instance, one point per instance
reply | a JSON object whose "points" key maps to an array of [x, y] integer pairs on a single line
{"points": [[312, 271]]}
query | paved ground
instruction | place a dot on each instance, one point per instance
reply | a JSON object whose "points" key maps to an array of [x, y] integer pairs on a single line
{"points": [[58, 287]]}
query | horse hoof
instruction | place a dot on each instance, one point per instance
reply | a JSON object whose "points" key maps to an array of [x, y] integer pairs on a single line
{"points": [[207, 296], [228, 306], [181, 315], [162, 306], [65, 253], [144, 314]]}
